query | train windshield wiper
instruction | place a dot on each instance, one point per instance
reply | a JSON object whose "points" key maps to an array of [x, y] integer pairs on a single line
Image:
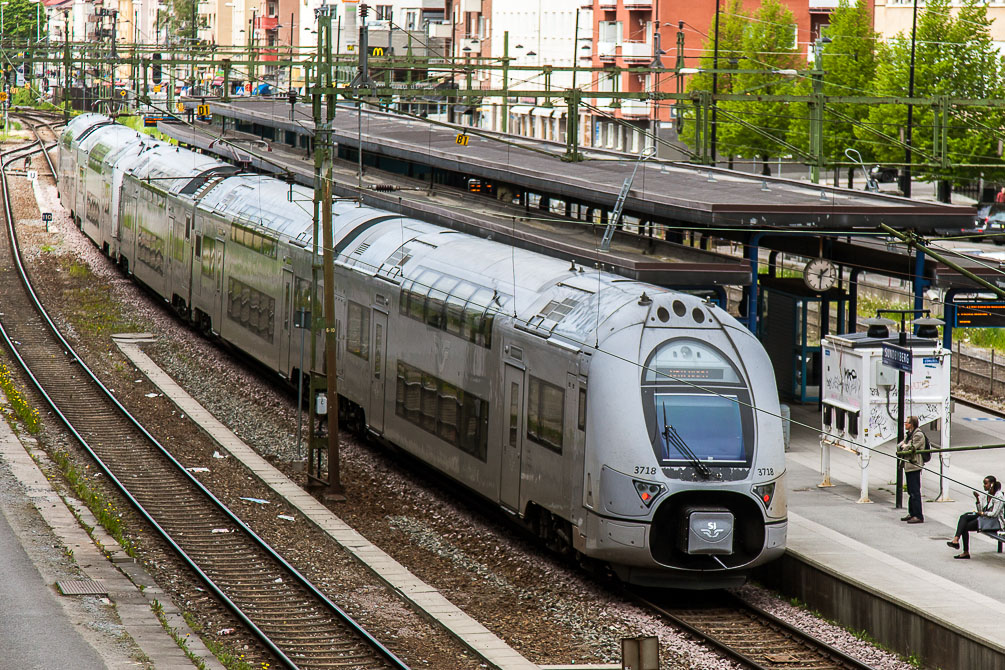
{"points": [[672, 437]]}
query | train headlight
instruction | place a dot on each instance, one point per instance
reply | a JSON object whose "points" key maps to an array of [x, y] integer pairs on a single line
{"points": [[766, 492], [648, 492], [772, 496]]}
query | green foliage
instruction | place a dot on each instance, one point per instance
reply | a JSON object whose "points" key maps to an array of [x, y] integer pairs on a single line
{"points": [[732, 20], [183, 18], [955, 57], [757, 129], [764, 41], [19, 405], [106, 514], [23, 20], [848, 63]]}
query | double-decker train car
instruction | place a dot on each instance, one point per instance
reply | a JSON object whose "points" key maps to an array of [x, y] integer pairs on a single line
{"points": [[631, 424]]}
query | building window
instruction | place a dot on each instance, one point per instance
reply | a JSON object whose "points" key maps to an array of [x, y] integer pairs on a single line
{"points": [[545, 416], [382, 12]]}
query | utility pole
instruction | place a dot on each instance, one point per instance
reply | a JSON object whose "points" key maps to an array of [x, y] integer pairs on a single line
{"points": [[66, 65], [323, 179]]}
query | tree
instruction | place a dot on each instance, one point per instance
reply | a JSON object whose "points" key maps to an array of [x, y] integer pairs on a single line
{"points": [[848, 62], [758, 128], [23, 20], [954, 57], [732, 20]]}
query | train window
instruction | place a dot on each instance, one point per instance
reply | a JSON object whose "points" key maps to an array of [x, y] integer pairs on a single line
{"points": [[358, 332], [198, 246], [455, 307], [417, 294], [474, 312], [582, 408], [209, 250], [286, 307], [452, 414], [514, 413], [448, 413], [435, 311], [188, 226], [545, 416]]}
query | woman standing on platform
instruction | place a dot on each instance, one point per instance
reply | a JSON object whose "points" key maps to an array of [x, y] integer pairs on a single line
{"points": [[988, 516]]}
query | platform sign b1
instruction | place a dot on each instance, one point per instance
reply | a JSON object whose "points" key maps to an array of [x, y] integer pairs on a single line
{"points": [[897, 357], [461, 139]]}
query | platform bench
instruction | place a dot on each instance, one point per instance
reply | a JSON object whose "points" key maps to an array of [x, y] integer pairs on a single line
{"points": [[997, 535]]}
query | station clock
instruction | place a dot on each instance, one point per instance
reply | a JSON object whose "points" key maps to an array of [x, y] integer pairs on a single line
{"points": [[820, 275]]}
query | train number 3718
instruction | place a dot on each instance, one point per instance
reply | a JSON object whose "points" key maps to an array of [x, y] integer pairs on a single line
{"points": [[645, 470], [765, 472]]}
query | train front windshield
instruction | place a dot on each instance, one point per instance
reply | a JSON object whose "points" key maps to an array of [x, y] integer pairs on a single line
{"points": [[709, 425], [696, 405]]}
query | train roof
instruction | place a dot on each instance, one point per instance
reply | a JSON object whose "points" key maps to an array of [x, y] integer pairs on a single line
{"points": [[544, 295]]}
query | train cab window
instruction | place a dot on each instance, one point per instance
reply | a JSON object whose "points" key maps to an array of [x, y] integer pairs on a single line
{"points": [[545, 416], [696, 405], [358, 332]]}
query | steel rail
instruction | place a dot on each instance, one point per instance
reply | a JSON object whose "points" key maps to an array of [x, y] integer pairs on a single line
{"points": [[836, 656], [303, 581]]}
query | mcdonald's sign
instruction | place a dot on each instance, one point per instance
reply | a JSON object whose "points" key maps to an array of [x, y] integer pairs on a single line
{"points": [[381, 51]]}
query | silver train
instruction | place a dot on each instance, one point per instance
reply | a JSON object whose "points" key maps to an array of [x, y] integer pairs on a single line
{"points": [[616, 419]]}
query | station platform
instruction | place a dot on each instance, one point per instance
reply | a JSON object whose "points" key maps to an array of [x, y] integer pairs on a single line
{"points": [[859, 564]]}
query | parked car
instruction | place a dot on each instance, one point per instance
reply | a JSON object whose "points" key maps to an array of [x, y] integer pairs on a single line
{"points": [[994, 223]]}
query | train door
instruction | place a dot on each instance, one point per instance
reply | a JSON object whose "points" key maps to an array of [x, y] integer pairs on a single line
{"points": [[378, 372], [287, 322], [512, 437]]}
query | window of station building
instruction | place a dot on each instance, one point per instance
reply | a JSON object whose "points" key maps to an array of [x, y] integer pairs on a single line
{"points": [[442, 409], [447, 303], [358, 332], [545, 414]]}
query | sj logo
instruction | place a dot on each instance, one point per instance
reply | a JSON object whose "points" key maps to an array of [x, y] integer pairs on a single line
{"points": [[712, 530]]}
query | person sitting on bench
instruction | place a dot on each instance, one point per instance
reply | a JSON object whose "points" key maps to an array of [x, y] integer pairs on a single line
{"points": [[987, 517]]}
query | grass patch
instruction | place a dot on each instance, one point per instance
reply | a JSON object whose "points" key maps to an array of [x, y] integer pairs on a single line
{"points": [[230, 659], [989, 338], [89, 308], [104, 511], [18, 407]]}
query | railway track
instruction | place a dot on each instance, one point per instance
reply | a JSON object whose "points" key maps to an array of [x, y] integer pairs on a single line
{"points": [[750, 636], [292, 620]]}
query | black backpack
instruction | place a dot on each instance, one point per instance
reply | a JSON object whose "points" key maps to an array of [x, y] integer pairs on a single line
{"points": [[927, 456]]}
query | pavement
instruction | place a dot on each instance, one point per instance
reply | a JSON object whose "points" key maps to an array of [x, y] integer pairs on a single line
{"points": [[869, 546]]}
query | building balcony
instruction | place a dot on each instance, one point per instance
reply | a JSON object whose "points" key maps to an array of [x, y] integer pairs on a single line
{"points": [[607, 50], [635, 108], [638, 5], [440, 30], [637, 52], [268, 22], [267, 55]]}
